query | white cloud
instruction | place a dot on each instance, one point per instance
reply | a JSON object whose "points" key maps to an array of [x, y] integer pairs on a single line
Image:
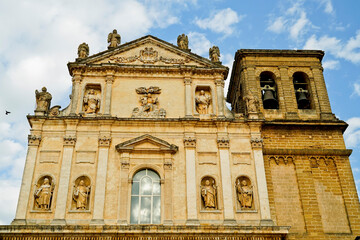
{"points": [[356, 86], [278, 25], [9, 192], [331, 64], [220, 22], [298, 27], [352, 133], [349, 50], [199, 44], [328, 7]]}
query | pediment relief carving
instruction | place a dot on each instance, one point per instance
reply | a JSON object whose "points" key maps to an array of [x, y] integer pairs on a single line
{"points": [[146, 143]]}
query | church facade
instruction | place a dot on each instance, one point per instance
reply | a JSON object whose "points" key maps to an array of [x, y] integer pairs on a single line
{"points": [[147, 149]]}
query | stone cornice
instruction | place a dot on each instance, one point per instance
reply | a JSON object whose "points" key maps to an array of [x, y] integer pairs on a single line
{"points": [[279, 53], [325, 152]]}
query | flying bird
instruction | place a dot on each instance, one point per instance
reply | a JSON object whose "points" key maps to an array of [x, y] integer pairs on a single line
{"points": [[7, 112]]}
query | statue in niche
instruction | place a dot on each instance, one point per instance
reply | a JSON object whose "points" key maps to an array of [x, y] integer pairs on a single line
{"points": [[209, 194], [251, 102], [214, 54], [83, 50], [148, 104], [183, 42], [114, 39], [43, 100], [244, 192], [43, 195], [202, 102], [91, 102], [81, 195]]}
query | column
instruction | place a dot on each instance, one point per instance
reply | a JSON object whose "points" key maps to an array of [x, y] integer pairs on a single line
{"points": [[191, 199], [168, 177], [100, 185], [322, 93], [289, 93], [75, 93], [109, 81], [33, 145], [223, 145], [64, 179], [188, 97], [220, 96], [256, 144]]}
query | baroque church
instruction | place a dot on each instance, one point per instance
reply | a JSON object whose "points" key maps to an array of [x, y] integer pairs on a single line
{"points": [[147, 149]]}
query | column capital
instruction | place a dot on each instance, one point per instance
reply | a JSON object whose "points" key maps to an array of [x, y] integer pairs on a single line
{"points": [[219, 82], [109, 79], [77, 78], [187, 81], [34, 140], [69, 141], [223, 142], [190, 141], [104, 141], [256, 142]]}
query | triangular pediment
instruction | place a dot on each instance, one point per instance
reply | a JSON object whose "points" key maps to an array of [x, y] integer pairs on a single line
{"points": [[148, 50], [146, 143]]}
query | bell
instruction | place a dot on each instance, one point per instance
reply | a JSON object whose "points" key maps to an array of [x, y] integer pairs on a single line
{"points": [[302, 100], [269, 100]]}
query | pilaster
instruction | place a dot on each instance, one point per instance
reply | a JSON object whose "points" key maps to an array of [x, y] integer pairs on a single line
{"points": [[220, 96], [168, 189], [99, 199], [191, 200], [33, 145], [188, 97], [289, 93], [76, 80], [109, 81]]}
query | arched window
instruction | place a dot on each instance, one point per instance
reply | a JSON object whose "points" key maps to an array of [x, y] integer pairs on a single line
{"points": [[268, 90], [302, 93], [145, 198]]}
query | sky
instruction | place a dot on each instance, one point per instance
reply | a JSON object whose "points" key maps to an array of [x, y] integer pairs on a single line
{"points": [[38, 38]]}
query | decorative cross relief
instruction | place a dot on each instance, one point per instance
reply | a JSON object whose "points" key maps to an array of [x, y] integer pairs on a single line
{"points": [[149, 56], [149, 107]]}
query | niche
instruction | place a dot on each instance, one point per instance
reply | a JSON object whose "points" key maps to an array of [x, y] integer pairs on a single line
{"points": [[92, 99], [203, 100], [81, 194], [209, 194], [43, 193], [245, 193]]}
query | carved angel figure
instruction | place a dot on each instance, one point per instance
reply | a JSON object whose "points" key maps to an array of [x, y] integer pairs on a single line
{"points": [[251, 102], [83, 50], [43, 100], [114, 39], [43, 194], [91, 102], [183, 42], [202, 102], [81, 195], [208, 193], [214, 54], [244, 193]]}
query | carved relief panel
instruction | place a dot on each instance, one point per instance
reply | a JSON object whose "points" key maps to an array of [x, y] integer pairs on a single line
{"points": [[43, 193], [81, 194], [208, 194], [244, 193], [149, 104], [92, 99]]}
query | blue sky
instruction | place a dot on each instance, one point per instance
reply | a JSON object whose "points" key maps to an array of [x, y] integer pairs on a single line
{"points": [[38, 38]]}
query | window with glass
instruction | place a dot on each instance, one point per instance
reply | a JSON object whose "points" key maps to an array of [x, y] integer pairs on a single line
{"points": [[145, 198]]}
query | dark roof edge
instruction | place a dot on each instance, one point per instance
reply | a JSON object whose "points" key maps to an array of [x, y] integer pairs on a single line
{"points": [[280, 52]]}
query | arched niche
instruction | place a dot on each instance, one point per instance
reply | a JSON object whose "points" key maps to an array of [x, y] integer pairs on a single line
{"points": [[43, 193], [209, 194], [244, 193], [81, 194]]}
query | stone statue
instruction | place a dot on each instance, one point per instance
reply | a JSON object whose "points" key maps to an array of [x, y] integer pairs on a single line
{"points": [[91, 102], [43, 100], [208, 193], [81, 195], [148, 102], [43, 195], [183, 42], [202, 102], [214, 54], [83, 50], [244, 194], [251, 102], [114, 39]]}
